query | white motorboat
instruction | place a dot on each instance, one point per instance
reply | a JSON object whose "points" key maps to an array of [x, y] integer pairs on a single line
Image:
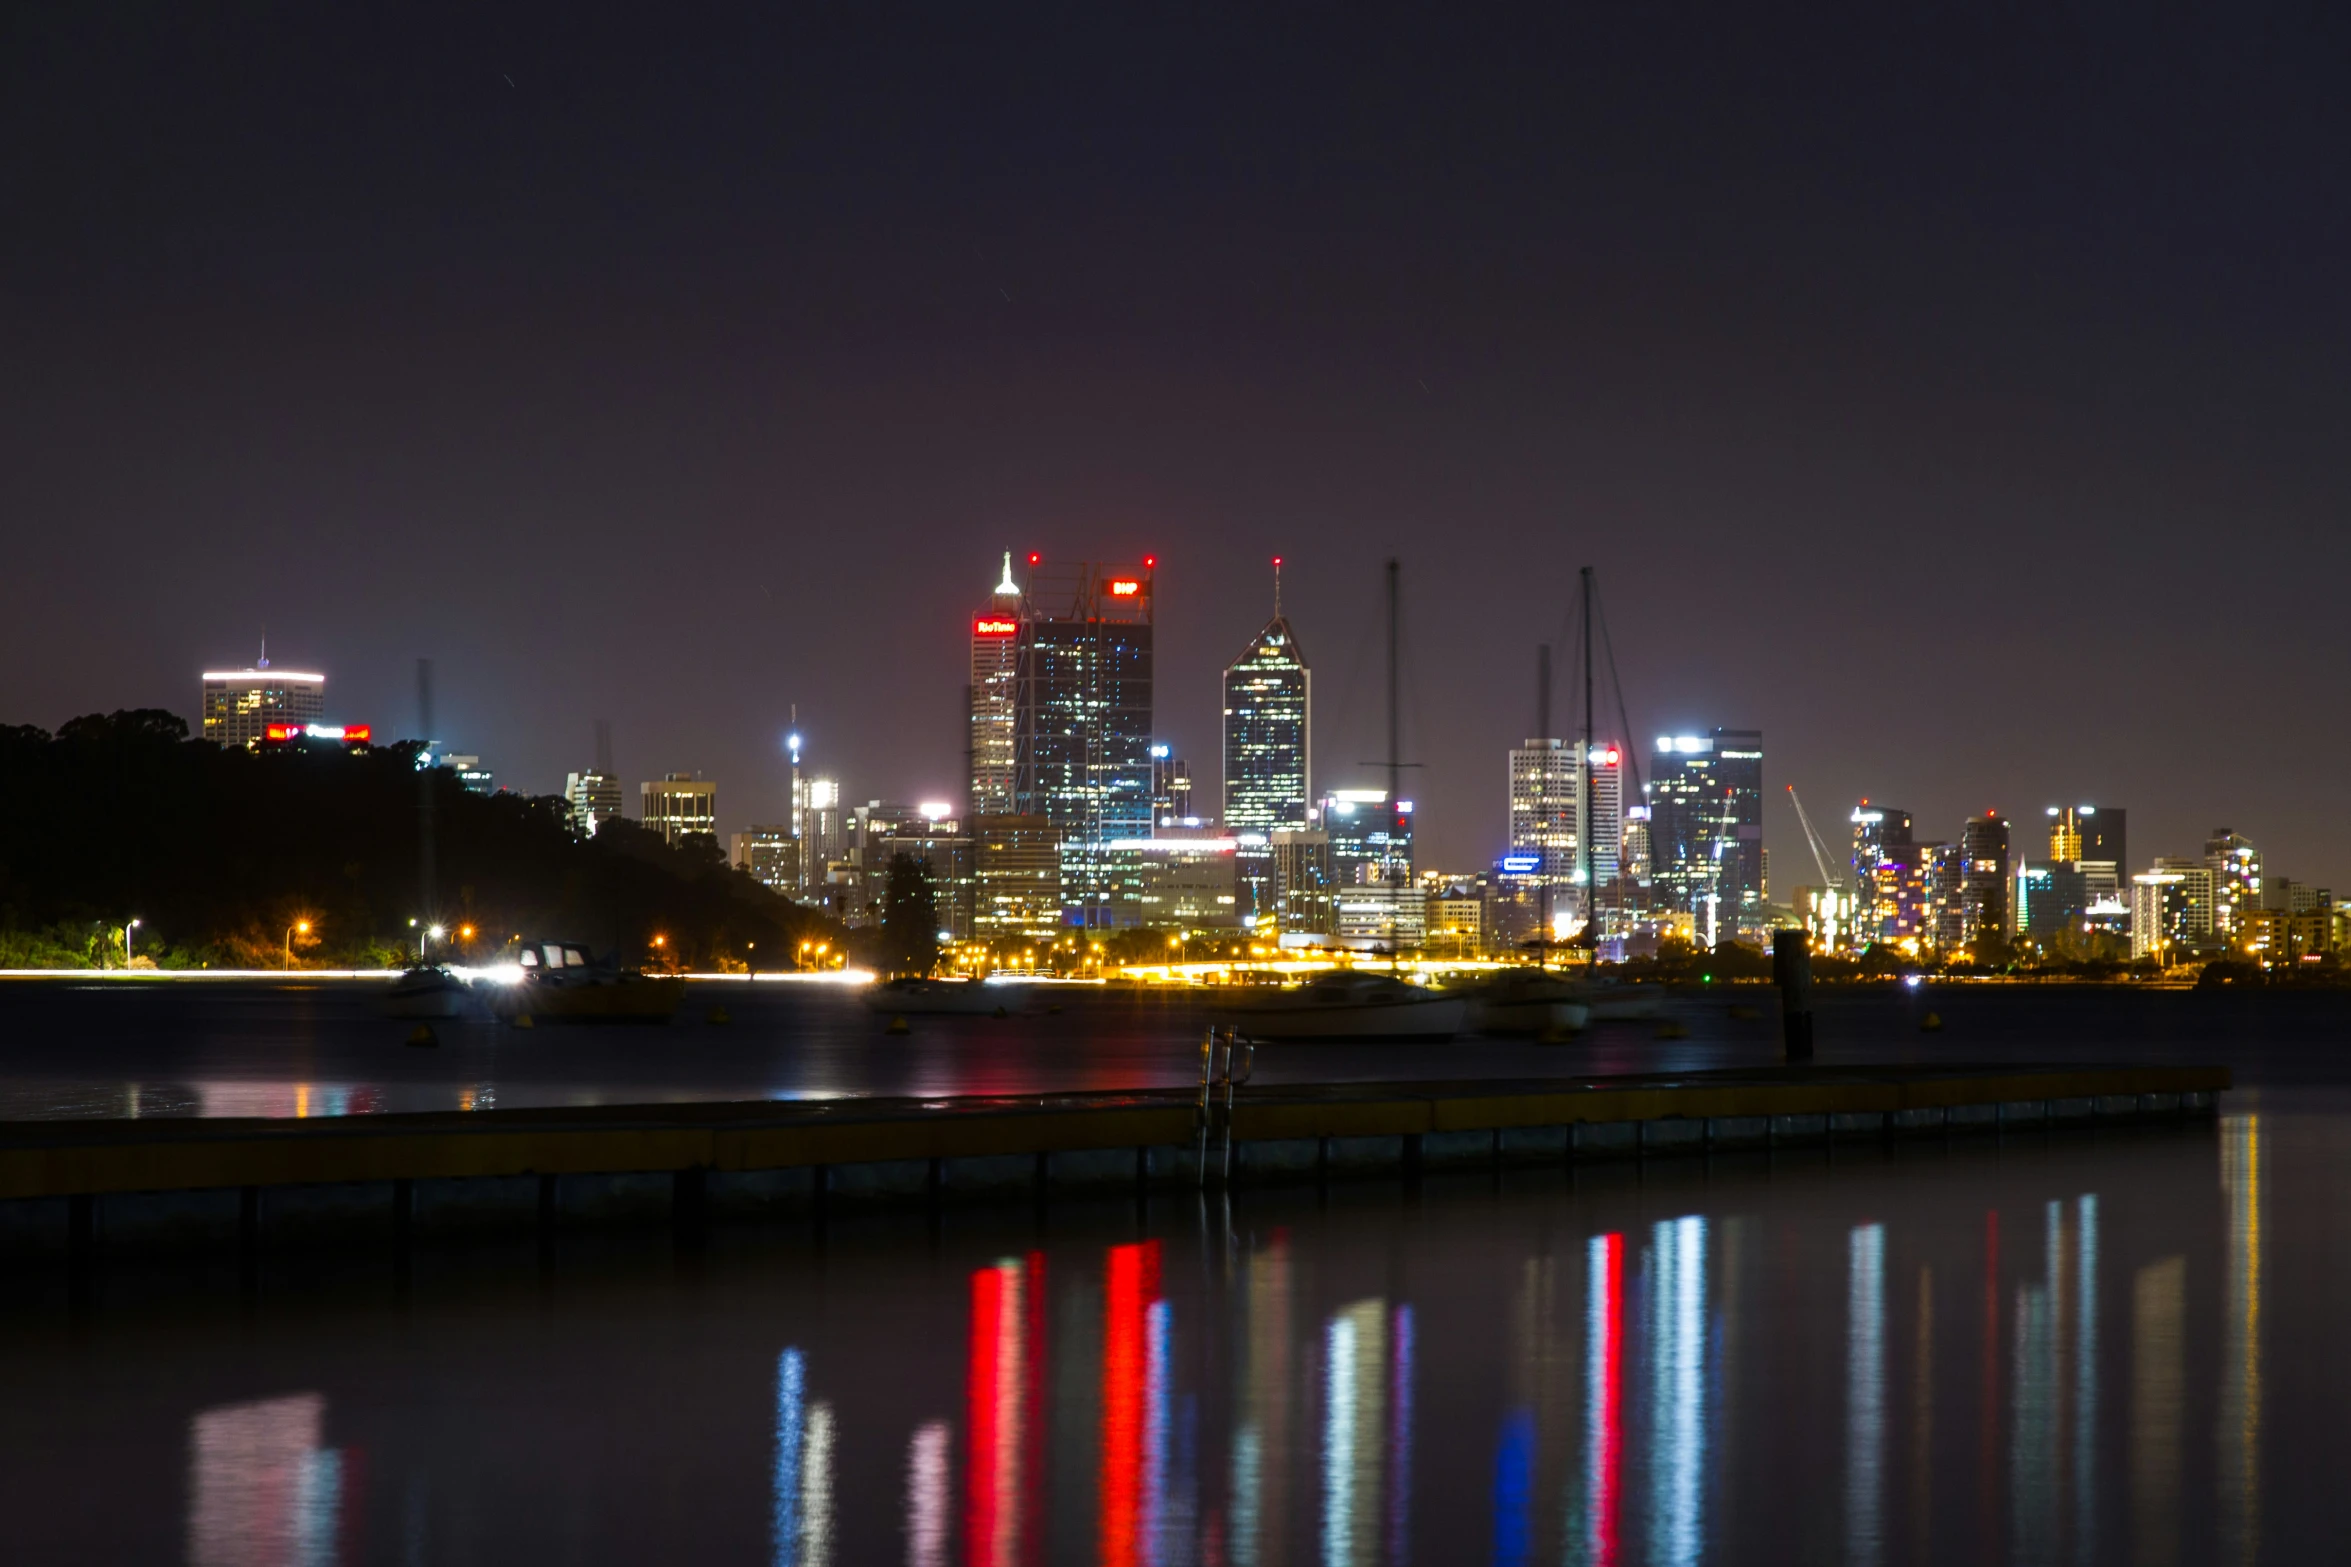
{"points": [[911, 997], [428, 991], [1528, 1001], [1351, 1006]]}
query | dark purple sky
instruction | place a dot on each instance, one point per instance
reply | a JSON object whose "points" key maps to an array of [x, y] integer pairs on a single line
{"points": [[1961, 397]]}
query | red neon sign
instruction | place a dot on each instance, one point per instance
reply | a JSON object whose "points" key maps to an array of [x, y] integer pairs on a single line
{"points": [[990, 626], [1123, 588]]}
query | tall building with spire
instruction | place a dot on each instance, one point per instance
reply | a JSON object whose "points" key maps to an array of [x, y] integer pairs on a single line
{"points": [[1268, 752], [994, 695], [241, 704]]}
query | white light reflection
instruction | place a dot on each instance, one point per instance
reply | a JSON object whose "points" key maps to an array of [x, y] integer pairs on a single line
{"points": [[784, 1527], [1865, 1391], [1338, 1438], [262, 1488], [2239, 1435], [2085, 1379], [1678, 1331], [1355, 1384], [816, 1488], [926, 1496]]}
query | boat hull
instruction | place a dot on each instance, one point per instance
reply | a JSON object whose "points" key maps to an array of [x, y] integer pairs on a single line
{"points": [[1542, 1018], [428, 995], [634, 998]]}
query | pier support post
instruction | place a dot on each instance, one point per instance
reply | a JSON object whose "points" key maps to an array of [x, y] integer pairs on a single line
{"points": [[1791, 970]]}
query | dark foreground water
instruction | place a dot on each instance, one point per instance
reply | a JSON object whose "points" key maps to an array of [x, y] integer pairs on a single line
{"points": [[2095, 1348], [2120, 1346]]}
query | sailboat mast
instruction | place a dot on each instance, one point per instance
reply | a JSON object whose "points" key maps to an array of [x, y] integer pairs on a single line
{"points": [[1395, 764], [1395, 757], [1584, 779]]}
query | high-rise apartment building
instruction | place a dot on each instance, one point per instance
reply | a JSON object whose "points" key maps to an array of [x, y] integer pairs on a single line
{"points": [[590, 799], [1543, 812], [1983, 887], [239, 705], [1706, 829], [1880, 833], [770, 855], [2236, 877], [1268, 753], [680, 806], [2171, 909], [1082, 735], [824, 831], [995, 697]]}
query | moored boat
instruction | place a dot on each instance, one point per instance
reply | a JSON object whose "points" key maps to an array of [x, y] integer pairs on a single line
{"points": [[1347, 1005], [429, 990], [565, 982], [1528, 1001]]}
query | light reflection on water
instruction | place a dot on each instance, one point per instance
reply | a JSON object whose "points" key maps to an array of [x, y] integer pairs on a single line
{"points": [[1835, 1371]]}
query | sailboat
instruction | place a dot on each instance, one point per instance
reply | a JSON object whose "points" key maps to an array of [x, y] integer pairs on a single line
{"points": [[1355, 1004]]}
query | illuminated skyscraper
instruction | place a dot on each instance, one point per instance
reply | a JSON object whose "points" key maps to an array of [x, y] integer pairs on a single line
{"points": [[1082, 728], [2236, 877], [1983, 887], [1375, 897], [1543, 783], [1268, 755], [994, 695], [1880, 832], [680, 806], [241, 704], [1706, 828], [592, 799]]}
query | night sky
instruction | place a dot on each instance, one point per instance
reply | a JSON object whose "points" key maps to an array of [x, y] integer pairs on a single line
{"points": [[1957, 393]]}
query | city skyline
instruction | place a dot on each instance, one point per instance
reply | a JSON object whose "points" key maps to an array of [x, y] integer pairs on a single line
{"points": [[993, 656]]}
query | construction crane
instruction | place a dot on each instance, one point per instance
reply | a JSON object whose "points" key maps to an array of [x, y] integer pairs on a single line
{"points": [[1820, 850]]}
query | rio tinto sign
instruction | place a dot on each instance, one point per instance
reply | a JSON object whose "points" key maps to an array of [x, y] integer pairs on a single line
{"points": [[993, 626]]}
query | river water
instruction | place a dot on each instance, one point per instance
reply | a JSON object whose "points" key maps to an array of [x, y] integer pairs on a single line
{"points": [[2120, 1346]]}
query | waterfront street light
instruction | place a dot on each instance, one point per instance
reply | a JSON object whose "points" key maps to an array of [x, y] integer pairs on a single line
{"points": [[126, 942], [298, 928]]}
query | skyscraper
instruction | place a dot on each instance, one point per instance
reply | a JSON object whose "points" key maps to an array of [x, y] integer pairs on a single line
{"points": [[1880, 833], [1375, 896], [592, 799], [1983, 893], [239, 705], [1543, 814], [1082, 730], [994, 697], [1706, 829], [1268, 752], [680, 806], [2236, 877]]}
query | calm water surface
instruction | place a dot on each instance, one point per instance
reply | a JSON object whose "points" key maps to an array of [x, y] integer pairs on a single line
{"points": [[2110, 1347], [116, 1049]]}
